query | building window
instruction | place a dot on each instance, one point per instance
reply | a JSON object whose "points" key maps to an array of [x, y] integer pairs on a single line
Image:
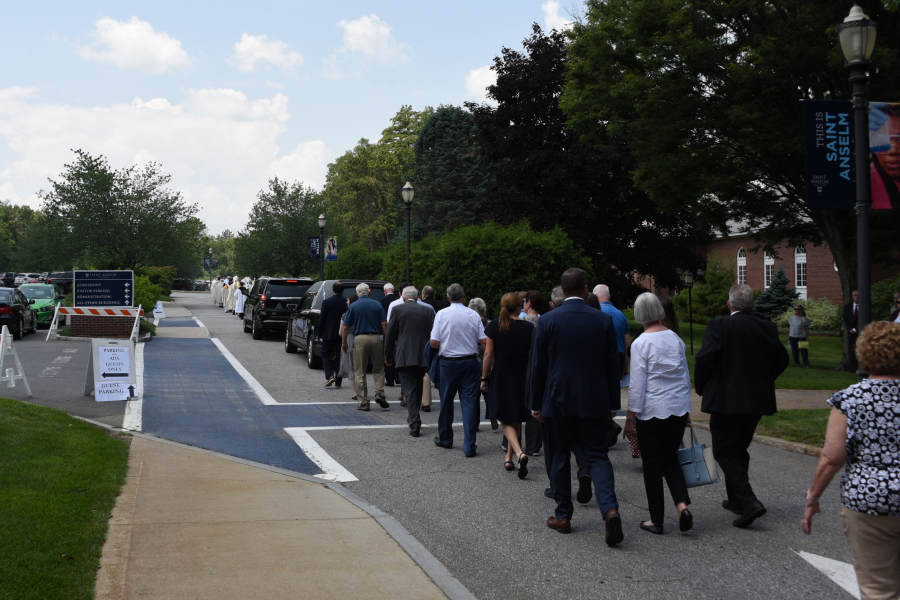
{"points": [[742, 267], [769, 263], [800, 270]]}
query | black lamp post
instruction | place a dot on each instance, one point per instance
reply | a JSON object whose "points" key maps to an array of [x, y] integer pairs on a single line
{"points": [[322, 247], [407, 192], [857, 36], [210, 267], [688, 280]]}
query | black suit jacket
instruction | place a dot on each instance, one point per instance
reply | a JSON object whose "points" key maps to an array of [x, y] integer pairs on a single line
{"points": [[386, 301], [894, 314], [575, 363], [409, 330], [850, 321], [435, 304], [737, 366], [330, 317]]}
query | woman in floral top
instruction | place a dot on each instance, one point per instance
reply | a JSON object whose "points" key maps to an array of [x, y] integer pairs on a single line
{"points": [[864, 433]]}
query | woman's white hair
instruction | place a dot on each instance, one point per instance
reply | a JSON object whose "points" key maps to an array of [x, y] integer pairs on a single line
{"points": [[478, 305], [648, 308]]}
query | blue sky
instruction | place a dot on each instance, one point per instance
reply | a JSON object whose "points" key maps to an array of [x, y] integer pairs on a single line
{"points": [[226, 95]]}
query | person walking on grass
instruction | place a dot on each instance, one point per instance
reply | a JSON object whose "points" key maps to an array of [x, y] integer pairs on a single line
{"points": [[799, 332]]}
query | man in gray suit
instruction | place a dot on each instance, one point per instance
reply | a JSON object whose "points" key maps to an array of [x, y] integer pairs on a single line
{"points": [[409, 331]]}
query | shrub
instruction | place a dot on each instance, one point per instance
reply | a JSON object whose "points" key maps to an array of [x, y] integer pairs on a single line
{"points": [[883, 298], [776, 299], [824, 317], [146, 294], [355, 262], [161, 276], [710, 298]]}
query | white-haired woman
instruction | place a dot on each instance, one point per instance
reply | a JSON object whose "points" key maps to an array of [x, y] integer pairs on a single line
{"points": [[659, 406]]}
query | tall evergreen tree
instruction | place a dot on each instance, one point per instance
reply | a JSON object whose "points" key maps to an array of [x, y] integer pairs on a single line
{"points": [[776, 299]]}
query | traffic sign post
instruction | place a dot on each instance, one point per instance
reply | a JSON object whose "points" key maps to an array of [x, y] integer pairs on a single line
{"points": [[103, 288]]}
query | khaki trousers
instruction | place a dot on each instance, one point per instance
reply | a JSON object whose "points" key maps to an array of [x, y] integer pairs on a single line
{"points": [[875, 546], [365, 348], [426, 391]]}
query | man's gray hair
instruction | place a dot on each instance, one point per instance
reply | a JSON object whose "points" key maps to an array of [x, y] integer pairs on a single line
{"points": [[648, 308], [740, 297], [455, 293], [388, 286], [478, 305], [601, 290], [557, 297], [410, 293], [427, 291], [362, 289]]}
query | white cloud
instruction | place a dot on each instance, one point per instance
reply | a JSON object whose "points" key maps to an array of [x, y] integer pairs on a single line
{"points": [[552, 18], [253, 49], [219, 146], [478, 80], [134, 45], [369, 38]]}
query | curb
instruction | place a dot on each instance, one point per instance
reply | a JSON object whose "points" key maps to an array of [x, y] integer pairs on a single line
{"points": [[776, 442], [437, 572]]}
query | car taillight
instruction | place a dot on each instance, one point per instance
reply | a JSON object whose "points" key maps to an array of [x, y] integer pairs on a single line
{"points": [[263, 297], [6, 310]]}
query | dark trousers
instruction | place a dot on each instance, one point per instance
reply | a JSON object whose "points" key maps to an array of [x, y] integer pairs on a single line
{"points": [[464, 377], [533, 436], [331, 359], [411, 378], [576, 452], [391, 375], [797, 352], [591, 436], [659, 440], [731, 436]]}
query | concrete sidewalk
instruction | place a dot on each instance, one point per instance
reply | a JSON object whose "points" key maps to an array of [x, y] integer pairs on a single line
{"points": [[190, 524]]}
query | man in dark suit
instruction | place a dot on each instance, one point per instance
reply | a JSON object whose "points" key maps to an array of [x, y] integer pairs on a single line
{"points": [[429, 299], [851, 324], [329, 333], [735, 372], [390, 375], [575, 390], [408, 332]]}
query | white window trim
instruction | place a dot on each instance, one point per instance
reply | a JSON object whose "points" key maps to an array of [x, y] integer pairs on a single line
{"points": [[742, 266], [768, 261], [800, 259]]}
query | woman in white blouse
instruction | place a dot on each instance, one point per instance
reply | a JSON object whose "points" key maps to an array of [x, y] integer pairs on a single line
{"points": [[659, 406]]}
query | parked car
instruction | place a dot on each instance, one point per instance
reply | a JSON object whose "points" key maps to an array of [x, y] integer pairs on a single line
{"points": [[183, 285], [20, 277], [201, 285], [304, 321], [62, 279], [270, 303], [16, 313], [43, 277], [7, 279], [43, 297]]}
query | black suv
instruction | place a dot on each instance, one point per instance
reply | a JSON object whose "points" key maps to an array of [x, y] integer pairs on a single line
{"points": [[301, 330], [62, 279], [8, 279], [16, 313], [270, 303]]}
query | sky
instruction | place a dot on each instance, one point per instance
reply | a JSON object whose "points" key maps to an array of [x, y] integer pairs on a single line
{"points": [[226, 95]]}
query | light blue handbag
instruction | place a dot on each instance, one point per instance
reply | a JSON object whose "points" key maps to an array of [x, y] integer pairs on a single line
{"points": [[697, 463]]}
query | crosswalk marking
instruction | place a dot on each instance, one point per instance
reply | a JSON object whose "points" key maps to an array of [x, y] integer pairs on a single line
{"points": [[839, 572]]}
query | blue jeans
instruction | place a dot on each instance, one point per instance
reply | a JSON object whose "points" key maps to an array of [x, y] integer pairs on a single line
{"points": [[463, 376]]}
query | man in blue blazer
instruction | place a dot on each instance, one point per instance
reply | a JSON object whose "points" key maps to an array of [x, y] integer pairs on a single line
{"points": [[329, 333], [575, 390]]}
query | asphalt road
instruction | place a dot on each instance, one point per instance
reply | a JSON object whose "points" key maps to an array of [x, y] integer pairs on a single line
{"points": [[488, 527]]}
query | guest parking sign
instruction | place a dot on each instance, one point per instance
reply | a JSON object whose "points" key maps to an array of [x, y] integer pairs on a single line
{"points": [[114, 377]]}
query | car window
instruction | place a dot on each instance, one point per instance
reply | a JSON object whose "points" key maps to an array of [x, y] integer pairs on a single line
{"points": [[257, 286], [307, 301], [38, 292], [6, 296], [22, 297], [287, 289], [374, 293]]}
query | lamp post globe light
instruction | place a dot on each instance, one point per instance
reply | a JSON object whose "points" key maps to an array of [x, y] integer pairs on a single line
{"points": [[322, 247], [857, 37], [408, 191]]}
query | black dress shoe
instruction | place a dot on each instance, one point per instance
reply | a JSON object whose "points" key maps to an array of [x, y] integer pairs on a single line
{"points": [[754, 511], [614, 430], [470, 454], [685, 521], [654, 529], [426, 408], [584, 489], [414, 432], [438, 442], [548, 492], [735, 508]]}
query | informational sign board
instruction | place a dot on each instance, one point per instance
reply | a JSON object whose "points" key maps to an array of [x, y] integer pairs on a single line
{"points": [[113, 367], [331, 249], [830, 172], [103, 288], [884, 146], [312, 249], [158, 312]]}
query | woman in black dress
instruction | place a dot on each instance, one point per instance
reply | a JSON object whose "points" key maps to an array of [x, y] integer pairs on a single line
{"points": [[505, 366]]}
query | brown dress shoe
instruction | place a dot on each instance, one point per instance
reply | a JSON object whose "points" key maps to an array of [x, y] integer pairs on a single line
{"points": [[614, 534], [560, 525]]}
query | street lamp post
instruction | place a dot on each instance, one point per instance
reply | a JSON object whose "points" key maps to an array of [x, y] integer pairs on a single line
{"points": [[857, 36], [322, 247], [210, 267], [407, 192], [688, 280]]}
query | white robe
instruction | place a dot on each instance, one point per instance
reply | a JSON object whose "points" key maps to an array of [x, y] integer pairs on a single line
{"points": [[239, 299], [230, 300], [217, 293]]}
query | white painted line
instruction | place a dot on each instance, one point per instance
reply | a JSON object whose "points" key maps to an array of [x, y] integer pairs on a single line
{"points": [[332, 470], [134, 408], [257, 388], [839, 572], [198, 322], [155, 322]]}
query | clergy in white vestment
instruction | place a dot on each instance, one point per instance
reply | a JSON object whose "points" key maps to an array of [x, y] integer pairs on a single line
{"points": [[239, 298], [231, 300], [217, 292]]}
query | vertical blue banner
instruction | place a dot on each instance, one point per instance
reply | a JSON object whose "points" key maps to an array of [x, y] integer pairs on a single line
{"points": [[830, 173]]}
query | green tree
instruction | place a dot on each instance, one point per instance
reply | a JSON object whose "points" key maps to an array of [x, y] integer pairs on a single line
{"points": [[707, 94], [354, 262], [125, 218], [776, 299], [709, 299], [448, 172]]}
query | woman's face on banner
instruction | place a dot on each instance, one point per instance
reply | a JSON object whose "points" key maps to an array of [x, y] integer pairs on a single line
{"points": [[890, 160]]}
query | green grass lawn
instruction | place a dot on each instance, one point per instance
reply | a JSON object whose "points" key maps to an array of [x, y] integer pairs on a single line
{"points": [[805, 426], [58, 481], [824, 357]]}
